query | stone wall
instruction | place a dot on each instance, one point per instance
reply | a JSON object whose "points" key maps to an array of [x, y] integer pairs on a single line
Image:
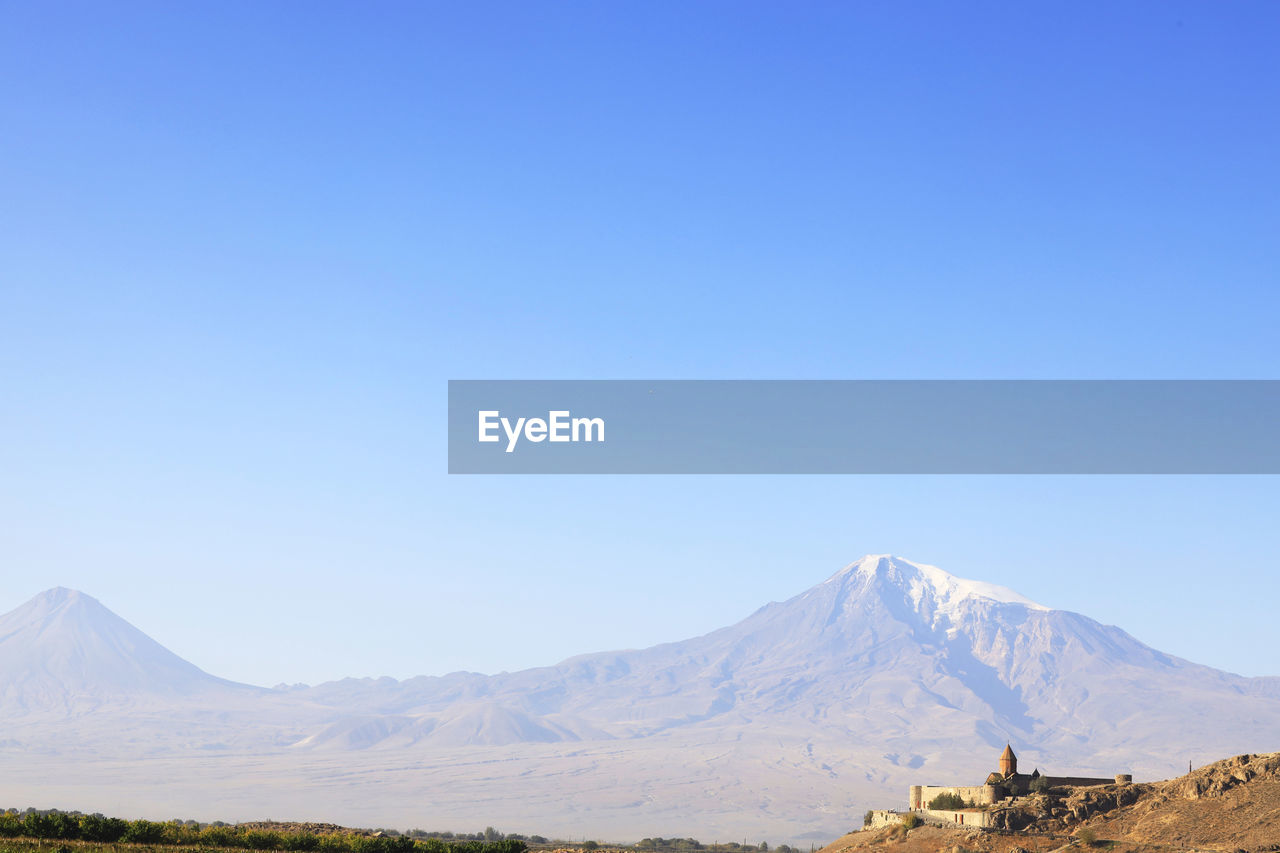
{"points": [[948, 817], [884, 817], [1076, 781], [918, 796], [938, 817]]}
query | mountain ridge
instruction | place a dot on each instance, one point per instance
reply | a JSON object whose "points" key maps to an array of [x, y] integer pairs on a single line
{"points": [[832, 699]]}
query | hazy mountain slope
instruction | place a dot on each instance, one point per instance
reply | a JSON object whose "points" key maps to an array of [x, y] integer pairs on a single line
{"points": [[64, 651], [798, 717], [886, 651]]}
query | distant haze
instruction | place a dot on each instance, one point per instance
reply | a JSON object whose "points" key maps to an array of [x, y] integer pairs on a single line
{"points": [[246, 248], [784, 726]]}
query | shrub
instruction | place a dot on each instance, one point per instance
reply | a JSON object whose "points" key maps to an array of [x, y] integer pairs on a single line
{"points": [[910, 822], [180, 832], [50, 825], [1087, 837], [143, 832], [107, 830], [399, 844], [1039, 785], [866, 818], [508, 845], [334, 844], [220, 836], [947, 801], [257, 839], [10, 826]]}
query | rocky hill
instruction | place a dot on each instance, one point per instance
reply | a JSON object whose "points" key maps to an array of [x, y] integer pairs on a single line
{"points": [[1231, 806]]}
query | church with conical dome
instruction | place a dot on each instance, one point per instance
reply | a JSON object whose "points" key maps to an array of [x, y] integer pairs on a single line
{"points": [[1003, 784], [1008, 761]]}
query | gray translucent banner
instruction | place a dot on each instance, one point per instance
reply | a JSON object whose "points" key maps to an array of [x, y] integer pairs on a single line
{"points": [[864, 427]]}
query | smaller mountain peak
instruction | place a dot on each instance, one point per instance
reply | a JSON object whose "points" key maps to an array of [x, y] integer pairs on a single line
{"points": [[61, 605], [60, 594], [61, 598], [64, 644]]}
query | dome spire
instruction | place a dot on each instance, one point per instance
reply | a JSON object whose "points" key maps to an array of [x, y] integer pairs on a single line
{"points": [[1008, 761]]}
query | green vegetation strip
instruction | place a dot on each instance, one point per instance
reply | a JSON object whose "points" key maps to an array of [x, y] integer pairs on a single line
{"points": [[96, 829]]}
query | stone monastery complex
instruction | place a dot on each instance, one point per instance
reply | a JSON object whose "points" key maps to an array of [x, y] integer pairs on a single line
{"points": [[1003, 784]]}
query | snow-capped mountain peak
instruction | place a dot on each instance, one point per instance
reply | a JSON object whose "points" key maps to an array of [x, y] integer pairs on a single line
{"points": [[922, 581]]}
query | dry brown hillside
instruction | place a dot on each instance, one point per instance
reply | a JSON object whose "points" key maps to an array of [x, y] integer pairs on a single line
{"points": [[933, 839], [1231, 805]]}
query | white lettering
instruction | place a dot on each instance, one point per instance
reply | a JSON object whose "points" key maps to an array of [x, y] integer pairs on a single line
{"points": [[486, 425], [513, 435], [587, 424], [558, 427]]}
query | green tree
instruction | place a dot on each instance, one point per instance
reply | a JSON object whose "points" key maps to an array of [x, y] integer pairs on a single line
{"points": [[143, 832], [507, 845], [947, 800], [10, 825]]}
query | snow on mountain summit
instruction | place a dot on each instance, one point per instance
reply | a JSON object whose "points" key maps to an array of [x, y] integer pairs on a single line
{"points": [[922, 580]]}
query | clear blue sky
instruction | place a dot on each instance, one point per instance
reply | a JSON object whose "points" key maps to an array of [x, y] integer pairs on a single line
{"points": [[244, 245]]}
